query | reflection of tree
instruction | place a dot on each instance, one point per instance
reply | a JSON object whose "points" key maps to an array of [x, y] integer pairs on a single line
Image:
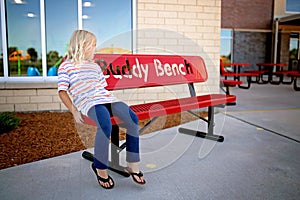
{"points": [[293, 54], [33, 54], [225, 58], [11, 50], [52, 56]]}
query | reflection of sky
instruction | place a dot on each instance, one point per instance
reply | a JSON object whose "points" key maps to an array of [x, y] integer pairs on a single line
{"points": [[226, 37], [61, 21], [225, 47], [293, 6], [23, 32], [107, 19], [294, 44], [1, 52]]}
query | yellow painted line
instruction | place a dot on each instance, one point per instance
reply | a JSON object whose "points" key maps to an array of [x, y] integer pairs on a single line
{"points": [[151, 166], [250, 111], [259, 129]]}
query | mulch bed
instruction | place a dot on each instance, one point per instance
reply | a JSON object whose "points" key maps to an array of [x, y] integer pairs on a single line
{"points": [[42, 135]]}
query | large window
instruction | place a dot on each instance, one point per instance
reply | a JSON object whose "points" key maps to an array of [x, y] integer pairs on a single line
{"points": [[58, 31], [226, 45], [111, 23], [37, 33], [1, 51], [24, 37]]}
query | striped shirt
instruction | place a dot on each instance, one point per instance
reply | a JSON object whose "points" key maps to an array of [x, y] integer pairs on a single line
{"points": [[85, 83]]}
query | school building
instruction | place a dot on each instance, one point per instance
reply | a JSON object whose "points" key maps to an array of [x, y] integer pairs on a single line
{"points": [[35, 35]]}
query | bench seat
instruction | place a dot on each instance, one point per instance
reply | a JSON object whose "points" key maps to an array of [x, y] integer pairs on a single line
{"points": [[161, 108]]}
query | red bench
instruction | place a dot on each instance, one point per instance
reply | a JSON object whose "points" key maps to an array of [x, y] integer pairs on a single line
{"points": [[237, 74], [139, 71], [229, 83], [288, 73]]}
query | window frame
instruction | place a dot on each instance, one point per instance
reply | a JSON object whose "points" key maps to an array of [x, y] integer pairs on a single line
{"points": [[44, 78]]}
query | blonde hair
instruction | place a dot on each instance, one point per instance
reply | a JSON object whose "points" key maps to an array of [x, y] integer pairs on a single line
{"points": [[81, 41]]}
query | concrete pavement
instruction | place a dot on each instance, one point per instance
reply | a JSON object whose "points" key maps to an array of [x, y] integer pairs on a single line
{"points": [[259, 159]]}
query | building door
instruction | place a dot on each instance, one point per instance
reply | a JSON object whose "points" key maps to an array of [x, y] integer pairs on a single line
{"points": [[294, 57]]}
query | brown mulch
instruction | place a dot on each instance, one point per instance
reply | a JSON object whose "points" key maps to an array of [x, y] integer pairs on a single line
{"points": [[42, 135]]}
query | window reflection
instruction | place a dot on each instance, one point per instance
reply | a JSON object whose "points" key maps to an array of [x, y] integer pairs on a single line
{"points": [[226, 45], [1, 52], [111, 22], [58, 31], [24, 38]]}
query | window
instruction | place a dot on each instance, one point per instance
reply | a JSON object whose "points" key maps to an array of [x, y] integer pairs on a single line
{"points": [[58, 32], [294, 51], [24, 38], [292, 6], [111, 22], [226, 45], [1, 51], [35, 33]]}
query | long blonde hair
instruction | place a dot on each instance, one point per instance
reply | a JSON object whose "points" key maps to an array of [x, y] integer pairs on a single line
{"points": [[81, 41]]}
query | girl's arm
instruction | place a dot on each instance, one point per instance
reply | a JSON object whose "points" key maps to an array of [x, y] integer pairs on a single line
{"points": [[63, 95]]}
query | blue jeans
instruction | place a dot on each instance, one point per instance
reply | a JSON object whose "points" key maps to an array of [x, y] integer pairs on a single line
{"points": [[101, 114]]}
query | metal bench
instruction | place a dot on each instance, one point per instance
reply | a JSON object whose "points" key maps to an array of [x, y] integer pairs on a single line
{"points": [[139, 71]]}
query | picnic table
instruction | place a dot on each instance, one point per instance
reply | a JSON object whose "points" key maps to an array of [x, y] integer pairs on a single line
{"points": [[268, 69], [236, 74]]}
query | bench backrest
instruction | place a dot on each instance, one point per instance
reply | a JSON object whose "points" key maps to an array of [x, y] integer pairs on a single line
{"points": [[125, 71]]}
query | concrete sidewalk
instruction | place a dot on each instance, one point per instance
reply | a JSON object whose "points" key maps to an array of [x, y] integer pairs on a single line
{"points": [[259, 159]]}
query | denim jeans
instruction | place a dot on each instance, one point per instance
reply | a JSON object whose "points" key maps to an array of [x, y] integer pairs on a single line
{"points": [[101, 114]]}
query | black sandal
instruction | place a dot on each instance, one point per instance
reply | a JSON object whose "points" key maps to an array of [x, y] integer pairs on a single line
{"points": [[103, 180], [140, 174]]}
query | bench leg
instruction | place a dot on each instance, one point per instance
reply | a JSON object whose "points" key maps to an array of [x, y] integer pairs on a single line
{"points": [[287, 82], [227, 91], [114, 164], [248, 83], [280, 79], [296, 88], [210, 129]]}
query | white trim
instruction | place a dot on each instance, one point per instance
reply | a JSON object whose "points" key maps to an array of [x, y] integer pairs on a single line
{"points": [[30, 79], [275, 41], [252, 30], [43, 38], [4, 40], [80, 26]]}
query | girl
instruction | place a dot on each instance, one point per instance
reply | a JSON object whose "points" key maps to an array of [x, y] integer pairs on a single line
{"points": [[83, 79]]}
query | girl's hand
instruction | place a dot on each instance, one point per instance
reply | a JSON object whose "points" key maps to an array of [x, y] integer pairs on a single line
{"points": [[77, 116]]}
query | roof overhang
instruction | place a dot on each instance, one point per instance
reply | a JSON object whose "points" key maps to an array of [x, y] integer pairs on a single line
{"points": [[290, 20], [289, 23]]}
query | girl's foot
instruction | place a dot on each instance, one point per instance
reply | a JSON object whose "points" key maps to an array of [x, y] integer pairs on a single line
{"points": [[103, 178], [134, 170]]}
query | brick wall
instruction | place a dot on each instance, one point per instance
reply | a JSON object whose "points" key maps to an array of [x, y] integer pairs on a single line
{"points": [[190, 27], [256, 14], [184, 27], [284, 47], [251, 22], [22, 100], [252, 47]]}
